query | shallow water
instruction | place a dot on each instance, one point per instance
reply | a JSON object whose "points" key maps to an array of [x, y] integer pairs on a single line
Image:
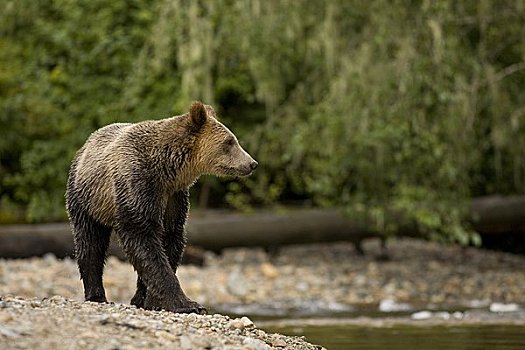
{"points": [[337, 326], [404, 337]]}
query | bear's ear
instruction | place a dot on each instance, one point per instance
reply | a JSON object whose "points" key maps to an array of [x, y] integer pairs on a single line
{"points": [[211, 112], [198, 114]]}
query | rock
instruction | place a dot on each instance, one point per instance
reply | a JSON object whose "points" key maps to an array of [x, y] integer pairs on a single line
{"points": [[256, 344], [57, 299], [201, 342], [389, 305], [193, 342], [246, 322], [10, 332], [269, 270], [237, 284], [421, 315], [333, 273], [302, 286], [114, 344], [186, 343], [236, 324], [4, 318], [241, 323], [500, 307], [191, 318], [49, 258], [106, 319], [478, 303], [278, 342], [442, 315], [458, 315]]}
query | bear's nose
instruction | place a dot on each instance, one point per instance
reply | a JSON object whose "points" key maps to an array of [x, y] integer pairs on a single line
{"points": [[253, 165]]}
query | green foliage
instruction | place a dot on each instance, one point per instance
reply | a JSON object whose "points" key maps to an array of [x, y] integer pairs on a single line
{"points": [[377, 105]]}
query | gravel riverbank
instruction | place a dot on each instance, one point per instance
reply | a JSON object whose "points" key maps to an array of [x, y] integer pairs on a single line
{"points": [[300, 280], [58, 323], [418, 272]]}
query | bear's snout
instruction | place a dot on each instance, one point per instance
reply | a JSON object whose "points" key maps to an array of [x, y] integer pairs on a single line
{"points": [[248, 169]]}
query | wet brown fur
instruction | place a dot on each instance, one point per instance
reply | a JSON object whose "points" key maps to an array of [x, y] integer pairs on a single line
{"points": [[134, 179]]}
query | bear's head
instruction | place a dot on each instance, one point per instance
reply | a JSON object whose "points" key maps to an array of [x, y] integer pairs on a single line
{"points": [[218, 151]]}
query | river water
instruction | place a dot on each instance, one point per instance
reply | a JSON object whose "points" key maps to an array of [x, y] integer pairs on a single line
{"points": [[468, 337], [368, 329]]}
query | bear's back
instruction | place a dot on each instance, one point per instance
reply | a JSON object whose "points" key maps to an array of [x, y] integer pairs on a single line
{"points": [[100, 138], [93, 171]]}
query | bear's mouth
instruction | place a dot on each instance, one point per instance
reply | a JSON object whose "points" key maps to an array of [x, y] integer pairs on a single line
{"points": [[232, 171]]}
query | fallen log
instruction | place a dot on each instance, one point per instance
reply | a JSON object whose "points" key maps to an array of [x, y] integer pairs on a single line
{"points": [[216, 230], [211, 230], [497, 214], [23, 241]]}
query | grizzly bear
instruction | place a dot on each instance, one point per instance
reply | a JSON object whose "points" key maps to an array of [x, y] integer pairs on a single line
{"points": [[134, 180]]}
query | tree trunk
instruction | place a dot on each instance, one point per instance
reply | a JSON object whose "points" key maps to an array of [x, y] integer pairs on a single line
{"points": [[216, 230]]}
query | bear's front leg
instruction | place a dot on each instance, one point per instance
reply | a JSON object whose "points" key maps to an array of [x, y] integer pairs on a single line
{"points": [[181, 304], [140, 295], [185, 305], [174, 238], [142, 243]]}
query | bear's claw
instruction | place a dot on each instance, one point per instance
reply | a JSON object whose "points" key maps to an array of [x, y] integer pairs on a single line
{"points": [[191, 310], [97, 299], [181, 305]]}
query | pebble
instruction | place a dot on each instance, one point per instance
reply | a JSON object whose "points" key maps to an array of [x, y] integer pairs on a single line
{"points": [[418, 273], [478, 303], [237, 284], [440, 315], [500, 307], [457, 315], [256, 344], [278, 342], [236, 324], [9, 332], [269, 271], [246, 322], [389, 305], [166, 335], [192, 317], [110, 326], [421, 315], [186, 343], [333, 273]]}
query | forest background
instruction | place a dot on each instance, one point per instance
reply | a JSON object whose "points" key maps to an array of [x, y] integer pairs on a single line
{"points": [[368, 106]]}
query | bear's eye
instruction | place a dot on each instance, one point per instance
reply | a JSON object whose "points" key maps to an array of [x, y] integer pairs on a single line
{"points": [[229, 142]]}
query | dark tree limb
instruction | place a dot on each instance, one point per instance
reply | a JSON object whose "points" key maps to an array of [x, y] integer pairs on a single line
{"points": [[216, 230]]}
